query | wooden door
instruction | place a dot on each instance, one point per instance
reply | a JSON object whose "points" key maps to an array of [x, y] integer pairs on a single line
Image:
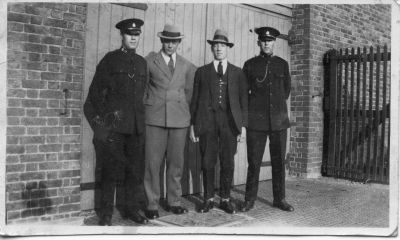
{"points": [[198, 23]]}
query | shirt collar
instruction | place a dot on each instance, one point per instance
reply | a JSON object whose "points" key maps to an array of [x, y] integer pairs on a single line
{"points": [[166, 57], [224, 64]]}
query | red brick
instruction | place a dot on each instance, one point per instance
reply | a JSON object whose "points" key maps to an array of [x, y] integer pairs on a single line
{"points": [[34, 103], [37, 20], [15, 149], [37, 29], [50, 148], [54, 50], [50, 184], [33, 47], [12, 140], [11, 159], [33, 38], [33, 121], [57, 6], [53, 76], [32, 139], [71, 51], [17, 17], [19, 93], [55, 23], [32, 167], [32, 176], [44, 94], [51, 130], [15, 130], [74, 17], [50, 165], [15, 112], [37, 84], [15, 27], [33, 158]]}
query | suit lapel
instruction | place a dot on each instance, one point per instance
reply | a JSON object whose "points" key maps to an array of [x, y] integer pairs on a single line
{"points": [[160, 63], [178, 68], [210, 78]]}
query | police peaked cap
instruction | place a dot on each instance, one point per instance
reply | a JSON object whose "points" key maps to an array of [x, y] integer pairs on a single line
{"points": [[267, 33], [130, 26]]}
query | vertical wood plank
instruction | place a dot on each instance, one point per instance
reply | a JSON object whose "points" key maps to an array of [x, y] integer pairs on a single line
{"points": [[237, 36], [179, 22], [370, 114], [231, 31], [116, 16], [149, 34], [250, 37], [187, 29], [376, 171], [159, 24], [104, 31], [138, 13], [350, 166], [364, 111], [88, 162], [384, 174]]}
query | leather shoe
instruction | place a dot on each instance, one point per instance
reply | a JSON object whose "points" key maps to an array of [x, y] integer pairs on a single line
{"points": [[151, 214], [227, 206], [105, 220], [137, 218], [176, 209], [207, 205], [247, 205], [283, 205]]}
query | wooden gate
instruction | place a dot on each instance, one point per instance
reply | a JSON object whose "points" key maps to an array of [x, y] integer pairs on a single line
{"points": [[198, 23], [356, 139]]}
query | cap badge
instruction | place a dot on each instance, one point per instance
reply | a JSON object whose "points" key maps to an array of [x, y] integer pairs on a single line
{"points": [[267, 33], [133, 25]]}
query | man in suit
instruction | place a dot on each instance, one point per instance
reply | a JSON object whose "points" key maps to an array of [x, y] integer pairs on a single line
{"points": [[269, 88], [116, 98], [168, 94], [219, 119]]}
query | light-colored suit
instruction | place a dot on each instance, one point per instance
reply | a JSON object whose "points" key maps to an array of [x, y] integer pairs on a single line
{"points": [[167, 117]]}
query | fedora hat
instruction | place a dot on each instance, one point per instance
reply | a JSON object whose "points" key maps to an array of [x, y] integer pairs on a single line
{"points": [[170, 32], [220, 36]]}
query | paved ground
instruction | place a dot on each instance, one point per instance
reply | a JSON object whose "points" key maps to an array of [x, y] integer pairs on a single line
{"points": [[321, 202]]}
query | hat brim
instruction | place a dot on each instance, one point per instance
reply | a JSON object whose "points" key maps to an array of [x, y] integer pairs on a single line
{"points": [[160, 35], [220, 41], [266, 38]]}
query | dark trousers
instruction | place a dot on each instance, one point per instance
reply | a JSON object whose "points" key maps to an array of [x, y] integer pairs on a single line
{"points": [[255, 149], [218, 141], [124, 169]]}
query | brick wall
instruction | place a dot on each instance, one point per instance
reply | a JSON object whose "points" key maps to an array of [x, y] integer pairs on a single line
{"points": [[45, 56], [317, 29]]}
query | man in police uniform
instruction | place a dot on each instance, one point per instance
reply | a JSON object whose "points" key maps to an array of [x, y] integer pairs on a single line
{"points": [[269, 88], [219, 119], [116, 95]]}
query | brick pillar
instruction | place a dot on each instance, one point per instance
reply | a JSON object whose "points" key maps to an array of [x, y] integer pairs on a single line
{"points": [[45, 61], [317, 28], [306, 101]]}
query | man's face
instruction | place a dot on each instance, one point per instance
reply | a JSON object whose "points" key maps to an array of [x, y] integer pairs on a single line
{"points": [[169, 46], [266, 46], [130, 41], [220, 51]]}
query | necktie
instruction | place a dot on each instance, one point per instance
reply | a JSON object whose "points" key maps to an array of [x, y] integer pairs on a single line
{"points": [[220, 70], [171, 65]]}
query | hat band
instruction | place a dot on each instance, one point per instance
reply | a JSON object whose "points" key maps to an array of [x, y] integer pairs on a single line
{"points": [[220, 37], [171, 34]]}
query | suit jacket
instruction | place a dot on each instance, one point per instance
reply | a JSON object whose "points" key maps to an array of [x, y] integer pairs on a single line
{"points": [[168, 96], [278, 81], [118, 86], [201, 108]]}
